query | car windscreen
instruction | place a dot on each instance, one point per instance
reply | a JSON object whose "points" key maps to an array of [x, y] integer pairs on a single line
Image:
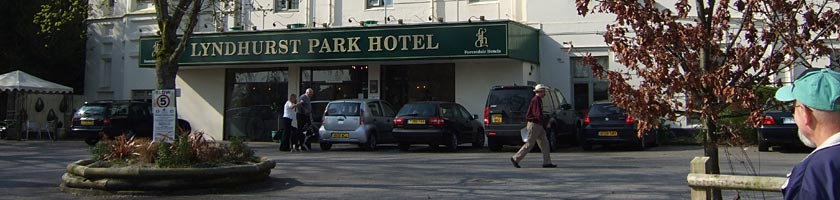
{"points": [[92, 110], [418, 110], [343, 109], [605, 110], [511, 99]]}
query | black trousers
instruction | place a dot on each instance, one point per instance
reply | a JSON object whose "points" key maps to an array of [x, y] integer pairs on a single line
{"points": [[304, 121], [286, 133]]}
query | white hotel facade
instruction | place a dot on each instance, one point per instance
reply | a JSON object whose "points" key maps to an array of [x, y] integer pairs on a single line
{"points": [[413, 52]]}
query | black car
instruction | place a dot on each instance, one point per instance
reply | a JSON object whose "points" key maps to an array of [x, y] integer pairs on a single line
{"points": [[607, 124], [778, 127], [504, 116], [436, 123], [113, 118]]}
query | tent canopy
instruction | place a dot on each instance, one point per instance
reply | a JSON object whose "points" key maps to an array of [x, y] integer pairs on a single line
{"points": [[21, 81]]}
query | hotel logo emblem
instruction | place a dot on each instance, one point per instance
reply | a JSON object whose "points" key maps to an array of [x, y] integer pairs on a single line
{"points": [[480, 41]]}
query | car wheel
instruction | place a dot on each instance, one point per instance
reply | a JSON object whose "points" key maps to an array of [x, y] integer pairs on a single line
{"points": [[325, 146], [656, 141], [371, 144], [479, 139], [762, 144], [586, 146], [641, 144], [452, 145], [493, 144], [404, 146], [129, 134], [91, 141], [552, 141]]}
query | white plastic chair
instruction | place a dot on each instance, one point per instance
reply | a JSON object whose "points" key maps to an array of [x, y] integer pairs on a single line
{"points": [[49, 129], [32, 126]]}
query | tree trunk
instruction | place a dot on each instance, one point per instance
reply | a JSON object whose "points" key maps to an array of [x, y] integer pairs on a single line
{"points": [[166, 72], [710, 149]]}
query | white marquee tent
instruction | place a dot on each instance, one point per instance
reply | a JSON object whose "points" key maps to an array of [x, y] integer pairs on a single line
{"points": [[19, 84]]}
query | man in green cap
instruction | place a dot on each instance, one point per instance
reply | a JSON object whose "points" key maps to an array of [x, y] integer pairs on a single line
{"points": [[816, 93]]}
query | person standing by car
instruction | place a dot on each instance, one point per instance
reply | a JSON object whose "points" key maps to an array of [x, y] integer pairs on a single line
{"points": [[536, 130], [817, 114], [288, 118], [304, 112]]}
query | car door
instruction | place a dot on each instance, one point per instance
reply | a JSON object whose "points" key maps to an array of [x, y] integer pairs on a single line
{"points": [[378, 120], [470, 126], [566, 116], [451, 117], [389, 114]]}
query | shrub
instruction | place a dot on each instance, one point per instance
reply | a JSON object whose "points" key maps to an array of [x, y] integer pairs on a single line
{"points": [[187, 150]]}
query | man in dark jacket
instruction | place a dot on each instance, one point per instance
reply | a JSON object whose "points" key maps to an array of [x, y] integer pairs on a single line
{"points": [[536, 130], [816, 95]]}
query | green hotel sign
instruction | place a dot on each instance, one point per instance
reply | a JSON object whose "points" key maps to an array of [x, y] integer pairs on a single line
{"points": [[439, 41]]}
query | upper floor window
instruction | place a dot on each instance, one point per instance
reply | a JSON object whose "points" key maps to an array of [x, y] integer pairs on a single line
{"points": [[283, 5], [379, 3]]}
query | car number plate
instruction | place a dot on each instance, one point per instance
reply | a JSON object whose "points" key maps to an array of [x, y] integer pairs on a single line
{"points": [[341, 135], [497, 119], [87, 122], [416, 121], [788, 120], [608, 133]]}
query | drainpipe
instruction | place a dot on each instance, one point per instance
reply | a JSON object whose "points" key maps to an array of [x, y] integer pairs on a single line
{"points": [[457, 10]]}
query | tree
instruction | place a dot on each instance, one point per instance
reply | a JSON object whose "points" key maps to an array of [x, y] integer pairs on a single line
{"points": [[169, 48], [701, 65]]}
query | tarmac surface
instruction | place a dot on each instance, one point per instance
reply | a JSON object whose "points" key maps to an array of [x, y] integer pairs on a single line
{"points": [[32, 170]]}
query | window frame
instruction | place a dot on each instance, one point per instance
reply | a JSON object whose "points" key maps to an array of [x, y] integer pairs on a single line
{"points": [[382, 4], [288, 7]]}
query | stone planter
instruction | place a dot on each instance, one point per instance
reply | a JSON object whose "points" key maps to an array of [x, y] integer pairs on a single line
{"points": [[129, 180]]}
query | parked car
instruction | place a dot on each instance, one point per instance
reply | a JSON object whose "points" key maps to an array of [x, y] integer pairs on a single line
{"points": [[113, 118], [504, 116], [607, 124], [778, 127], [436, 123], [366, 122]]}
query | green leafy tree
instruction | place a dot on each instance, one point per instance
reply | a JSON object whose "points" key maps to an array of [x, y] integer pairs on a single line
{"points": [[699, 58]]}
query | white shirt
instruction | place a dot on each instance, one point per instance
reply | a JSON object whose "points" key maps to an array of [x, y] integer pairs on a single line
{"points": [[288, 111]]}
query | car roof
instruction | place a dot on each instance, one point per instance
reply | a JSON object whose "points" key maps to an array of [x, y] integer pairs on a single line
{"points": [[355, 100], [498, 87], [432, 102]]}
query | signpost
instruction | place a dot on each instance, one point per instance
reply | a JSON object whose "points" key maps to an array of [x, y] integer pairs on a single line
{"points": [[165, 115]]}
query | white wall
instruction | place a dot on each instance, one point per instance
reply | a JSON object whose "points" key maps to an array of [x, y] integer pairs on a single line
{"points": [[474, 79], [202, 99]]}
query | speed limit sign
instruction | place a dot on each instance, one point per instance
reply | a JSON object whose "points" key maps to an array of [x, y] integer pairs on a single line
{"points": [[165, 115]]}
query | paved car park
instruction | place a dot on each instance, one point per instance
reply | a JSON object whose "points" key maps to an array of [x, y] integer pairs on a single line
{"points": [[32, 169]]}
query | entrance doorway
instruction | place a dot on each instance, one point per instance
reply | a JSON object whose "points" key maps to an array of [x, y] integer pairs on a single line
{"points": [[338, 82], [404, 84]]}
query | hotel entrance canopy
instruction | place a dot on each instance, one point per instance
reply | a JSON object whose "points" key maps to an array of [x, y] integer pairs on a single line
{"points": [[497, 39]]}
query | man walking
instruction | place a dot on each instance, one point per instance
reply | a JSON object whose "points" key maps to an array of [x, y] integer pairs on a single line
{"points": [[304, 114], [535, 125], [816, 95]]}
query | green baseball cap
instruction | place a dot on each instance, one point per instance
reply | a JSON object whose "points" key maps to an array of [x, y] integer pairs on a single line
{"points": [[817, 88]]}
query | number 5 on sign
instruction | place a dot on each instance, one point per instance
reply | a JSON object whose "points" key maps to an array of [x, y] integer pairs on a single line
{"points": [[165, 115]]}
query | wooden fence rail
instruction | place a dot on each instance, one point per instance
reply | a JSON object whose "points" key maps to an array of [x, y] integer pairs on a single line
{"points": [[703, 185]]}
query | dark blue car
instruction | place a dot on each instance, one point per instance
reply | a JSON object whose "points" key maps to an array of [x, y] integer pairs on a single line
{"points": [[606, 124], [778, 127]]}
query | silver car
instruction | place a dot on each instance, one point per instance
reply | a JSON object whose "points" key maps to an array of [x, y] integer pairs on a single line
{"points": [[366, 122]]}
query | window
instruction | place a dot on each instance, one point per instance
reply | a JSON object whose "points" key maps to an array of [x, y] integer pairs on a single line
{"points": [[283, 5], [387, 109], [588, 89], [477, 1], [374, 109], [379, 3]]}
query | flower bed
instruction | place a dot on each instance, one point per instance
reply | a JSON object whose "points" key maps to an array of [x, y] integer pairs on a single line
{"points": [[137, 179], [128, 166]]}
